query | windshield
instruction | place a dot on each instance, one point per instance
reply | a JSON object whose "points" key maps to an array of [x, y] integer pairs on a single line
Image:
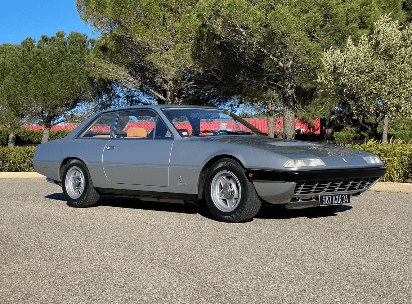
{"points": [[207, 122]]}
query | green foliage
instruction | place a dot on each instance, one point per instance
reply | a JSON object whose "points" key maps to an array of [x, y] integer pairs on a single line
{"points": [[348, 135], [4, 134], [146, 45], [30, 137], [56, 134], [43, 81], [401, 129], [374, 77], [283, 42], [402, 135], [18, 159], [15, 105], [396, 156]]}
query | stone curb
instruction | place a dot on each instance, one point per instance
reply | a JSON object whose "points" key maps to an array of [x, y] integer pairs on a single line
{"points": [[393, 187], [379, 187], [21, 175]]}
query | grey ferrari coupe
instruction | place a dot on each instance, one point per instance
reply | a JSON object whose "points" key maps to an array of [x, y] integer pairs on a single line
{"points": [[200, 154]]}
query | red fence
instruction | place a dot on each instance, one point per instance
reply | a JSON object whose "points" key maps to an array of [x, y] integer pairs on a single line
{"points": [[304, 128], [261, 124]]}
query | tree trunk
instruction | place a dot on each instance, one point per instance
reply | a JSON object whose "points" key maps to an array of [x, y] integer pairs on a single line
{"points": [[322, 124], [171, 96], [271, 126], [288, 119], [385, 129], [271, 119], [11, 142], [289, 104], [374, 129], [46, 134], [331, 126]]}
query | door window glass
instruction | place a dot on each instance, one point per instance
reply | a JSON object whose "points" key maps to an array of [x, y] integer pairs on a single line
{"points": [[161, 130], [101, 128], [135, 124]]}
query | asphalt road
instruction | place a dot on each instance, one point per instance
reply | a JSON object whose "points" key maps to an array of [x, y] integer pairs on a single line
{"points": [[127, 251]]}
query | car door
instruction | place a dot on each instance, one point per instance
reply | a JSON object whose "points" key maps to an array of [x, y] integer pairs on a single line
{"points": [[88, 146], [139, 153]]}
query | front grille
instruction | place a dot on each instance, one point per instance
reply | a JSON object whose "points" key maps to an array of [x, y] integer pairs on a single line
{"points": [[335, 186]]}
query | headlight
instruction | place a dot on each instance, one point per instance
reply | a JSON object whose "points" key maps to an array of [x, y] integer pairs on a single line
{"points": [[306, 162], [372, 160]]}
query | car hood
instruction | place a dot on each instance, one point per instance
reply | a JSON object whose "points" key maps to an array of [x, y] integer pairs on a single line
{"points": [[288, 147]]}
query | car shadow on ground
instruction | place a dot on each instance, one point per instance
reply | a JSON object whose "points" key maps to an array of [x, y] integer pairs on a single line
{"points": [[56, 196], [134, 203], [265, 212], [275, 212]]}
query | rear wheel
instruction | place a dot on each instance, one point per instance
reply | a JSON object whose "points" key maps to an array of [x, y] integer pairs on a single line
{"points": [[230, 196], [77, 185]]}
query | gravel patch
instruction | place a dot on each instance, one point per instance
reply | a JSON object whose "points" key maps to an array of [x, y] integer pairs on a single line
{"points": [[127, 251]]}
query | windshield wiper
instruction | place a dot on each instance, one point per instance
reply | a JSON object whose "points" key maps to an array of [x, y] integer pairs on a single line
{"points": [[225, 132], [241, 132]]}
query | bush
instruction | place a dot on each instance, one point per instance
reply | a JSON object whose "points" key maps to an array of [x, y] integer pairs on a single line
{"points": [[396, 156], [56, 134], [18, 159], [405, 135], [30, 137], [400, 129], [348, 135], [4, 136]]}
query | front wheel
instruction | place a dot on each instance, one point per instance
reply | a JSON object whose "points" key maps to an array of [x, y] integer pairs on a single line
{"points": [[230, 196], [77, 185]]}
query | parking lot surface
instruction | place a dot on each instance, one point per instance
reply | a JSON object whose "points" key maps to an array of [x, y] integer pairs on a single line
{"points": [[128, 251]]}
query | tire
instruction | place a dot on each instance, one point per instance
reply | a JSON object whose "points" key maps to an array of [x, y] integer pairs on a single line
{"points": [[77, 185], [230, 196]]}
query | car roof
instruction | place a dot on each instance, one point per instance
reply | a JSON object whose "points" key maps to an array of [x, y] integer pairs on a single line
{"points": [[159, 107]]}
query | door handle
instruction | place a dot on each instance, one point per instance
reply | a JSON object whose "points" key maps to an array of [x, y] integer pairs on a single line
{"points": [[109, 147]]}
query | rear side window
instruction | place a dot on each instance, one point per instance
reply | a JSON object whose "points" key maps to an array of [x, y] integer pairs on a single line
{"points": [[101, 128]]}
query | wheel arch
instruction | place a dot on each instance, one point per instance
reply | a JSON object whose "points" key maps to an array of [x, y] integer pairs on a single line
{"points": [[65, 161], [205, 171]]}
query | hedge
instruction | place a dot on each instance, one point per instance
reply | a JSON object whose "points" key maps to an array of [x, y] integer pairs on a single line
{"points": [[349, 135], [18, 159], [405, 135], [396, 156], [30, 137]]}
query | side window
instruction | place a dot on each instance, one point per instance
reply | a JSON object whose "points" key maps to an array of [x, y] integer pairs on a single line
{"points": [[100, 128], [183, 125], [135, 124], [161, 130]]}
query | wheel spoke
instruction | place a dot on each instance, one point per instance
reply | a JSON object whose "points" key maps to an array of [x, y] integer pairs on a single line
{"points": [[230, 203], [226, 191], [74, 182], [226, 180], [236, 194]]}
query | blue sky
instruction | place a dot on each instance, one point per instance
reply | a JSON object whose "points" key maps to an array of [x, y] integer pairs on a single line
{"points": [[20, 19]]}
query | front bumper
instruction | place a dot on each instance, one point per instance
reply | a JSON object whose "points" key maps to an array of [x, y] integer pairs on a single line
{"points": [[297, 176], [305, 187]]}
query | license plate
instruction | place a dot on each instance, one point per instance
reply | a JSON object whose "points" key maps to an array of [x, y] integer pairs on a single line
{"points": [[327, 200]]}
